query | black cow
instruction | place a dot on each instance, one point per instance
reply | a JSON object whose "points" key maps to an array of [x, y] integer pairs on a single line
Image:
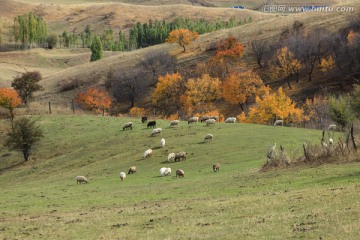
{"points": [[151, 124], [144, 119]]}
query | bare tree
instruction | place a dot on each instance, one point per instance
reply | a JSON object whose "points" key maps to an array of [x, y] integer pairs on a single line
{"points": [[158, 63], [129, 85], [259, 49]]}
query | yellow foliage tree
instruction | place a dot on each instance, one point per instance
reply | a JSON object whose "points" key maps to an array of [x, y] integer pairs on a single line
{"points": [[274, 104], [168, 91], [239, 87], [137, 112], [200, 94], [285, 65], [327, 64], [182, 36]]}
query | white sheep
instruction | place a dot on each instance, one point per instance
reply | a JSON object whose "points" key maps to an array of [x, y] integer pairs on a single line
{"points": [[122, 176], [208, 137], [331, 141], [156, 131], [278, 122], [210, 121], [128, 125], [230, 120], [165, 171], [174, 123], [332, 127], [193, 119], [81, 179], [162, 142], [147, 153], [171, 156]]}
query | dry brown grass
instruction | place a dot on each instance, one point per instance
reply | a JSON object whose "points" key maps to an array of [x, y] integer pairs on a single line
{"points": [[59, 66]]}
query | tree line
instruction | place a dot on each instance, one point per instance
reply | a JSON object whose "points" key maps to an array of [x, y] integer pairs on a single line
{"points": [[29, 30]]}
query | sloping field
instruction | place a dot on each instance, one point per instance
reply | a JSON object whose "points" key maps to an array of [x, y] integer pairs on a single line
{"points": [[41, 200]]}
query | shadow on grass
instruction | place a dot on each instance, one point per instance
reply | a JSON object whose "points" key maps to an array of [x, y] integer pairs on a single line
{"points": [[3, 170]]}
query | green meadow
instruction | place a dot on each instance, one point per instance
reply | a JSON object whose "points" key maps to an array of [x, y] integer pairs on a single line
{"points": [[40, 199]]}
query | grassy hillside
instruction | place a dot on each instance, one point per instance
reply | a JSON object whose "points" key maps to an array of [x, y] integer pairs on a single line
{"points": [[41, 200]]}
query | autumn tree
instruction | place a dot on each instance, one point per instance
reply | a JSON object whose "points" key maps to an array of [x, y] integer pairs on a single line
{"points": [[271, 105], [24, 135], [200, 94], [327, 64], [26, 85], [94, 99], [239, 87], [284, 65], [182, 36], [9, 99], [229, 48], [167, 93], [316, 111]]}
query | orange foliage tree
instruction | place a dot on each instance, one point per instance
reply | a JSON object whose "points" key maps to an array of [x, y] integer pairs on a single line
{"points": [[272, 105], [229, 48], [353, 37], [239, 87], [94, 99], [285, 65], [182, 36], [9, 99], [137, 112], [168, 91], [200, 94]]}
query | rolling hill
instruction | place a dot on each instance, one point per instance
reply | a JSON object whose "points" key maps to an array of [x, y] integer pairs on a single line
{"points": [[40, 199]]}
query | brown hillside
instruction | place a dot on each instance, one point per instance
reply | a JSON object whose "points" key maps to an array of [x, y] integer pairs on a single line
{"points": [[58, 66]]}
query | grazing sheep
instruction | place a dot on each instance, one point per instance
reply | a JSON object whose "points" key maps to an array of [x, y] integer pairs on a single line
{"points": [[127, 126], [132, 170], [214, 117], [174, 123], [278, 122], [208, 137], [156, 131], [193, 119], [122, 176], [144, 119], [165, 171], [180, 173], [216, 167], [332, 127], [180, 156], [204, 118], [210, 121], [151, 124], [230, 120], [147, 153], [171, 156], [81, 179], [162, 142]]}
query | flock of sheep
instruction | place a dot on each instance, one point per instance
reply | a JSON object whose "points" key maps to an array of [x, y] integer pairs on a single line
{"points": [[176, 157]]}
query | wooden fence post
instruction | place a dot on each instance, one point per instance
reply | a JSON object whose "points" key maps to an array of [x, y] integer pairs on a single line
{"points": [[50, 107], [73, 106]]}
